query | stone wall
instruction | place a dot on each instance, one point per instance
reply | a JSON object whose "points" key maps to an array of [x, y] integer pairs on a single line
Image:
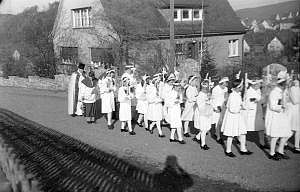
{"points": [[60, 83]]}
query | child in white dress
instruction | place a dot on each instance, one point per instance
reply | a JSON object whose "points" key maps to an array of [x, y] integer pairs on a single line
{"points": [[253, 113], [155, 109], [107, 89], [174, 112], [234, 123], [203, 114], [142, 104], [124, 97], [294, 105], [191, 93]]}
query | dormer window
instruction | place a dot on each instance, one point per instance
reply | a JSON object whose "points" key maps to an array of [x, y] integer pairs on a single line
{"points": [[187, 14], [81, 17], [177, 15], [197, 14]]}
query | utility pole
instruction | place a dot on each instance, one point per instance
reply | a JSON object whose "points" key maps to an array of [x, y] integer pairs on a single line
{"points": [[201, 39], [172, 38]]}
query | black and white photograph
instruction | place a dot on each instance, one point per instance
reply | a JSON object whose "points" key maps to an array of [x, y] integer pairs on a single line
{"points": [[149, 95]]}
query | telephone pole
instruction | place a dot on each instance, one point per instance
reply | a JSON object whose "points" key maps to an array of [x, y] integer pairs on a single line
{"points": [[172, 38]]}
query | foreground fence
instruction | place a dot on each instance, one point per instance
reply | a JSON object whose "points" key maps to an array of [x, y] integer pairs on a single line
{"points": [[35, 158]]}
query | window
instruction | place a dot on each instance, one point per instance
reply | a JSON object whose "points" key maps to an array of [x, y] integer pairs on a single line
{"points": [[191, 50], [102, 55], [197, 14], [186, 14], [69, 55], [177, 16], [81, 17], [233, 48], [179, 49]]}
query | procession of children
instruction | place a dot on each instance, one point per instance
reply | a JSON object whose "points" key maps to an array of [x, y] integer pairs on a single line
{"points": [[164, 100]]}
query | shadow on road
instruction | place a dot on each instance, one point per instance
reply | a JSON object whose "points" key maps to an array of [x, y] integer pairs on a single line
{"points": [[173, 178]]}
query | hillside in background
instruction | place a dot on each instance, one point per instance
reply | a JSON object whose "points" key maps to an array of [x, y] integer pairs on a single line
{"points": [[269, 11]]}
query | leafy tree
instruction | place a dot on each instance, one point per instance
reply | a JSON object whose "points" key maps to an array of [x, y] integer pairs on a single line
{"points": [[29, 33], [128, 22]]}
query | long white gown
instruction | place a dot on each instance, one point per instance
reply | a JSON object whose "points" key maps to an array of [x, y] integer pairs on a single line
{"points": [[218, 99], [140, 93], [294, 106], [253, 113], [166, 88], [155, 111], [74, 106], [125, 104], [107, 89], [277, 120], [174, 111], [189, 106], [202, 118], [234, 123]]}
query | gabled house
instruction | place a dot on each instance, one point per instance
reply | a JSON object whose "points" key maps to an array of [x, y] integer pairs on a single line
{"points": [[267, 24], [76, 32], [275, 46], [246, 47]]}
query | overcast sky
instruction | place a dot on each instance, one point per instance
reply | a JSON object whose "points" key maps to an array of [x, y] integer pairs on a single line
{"points": [[17, 6]]}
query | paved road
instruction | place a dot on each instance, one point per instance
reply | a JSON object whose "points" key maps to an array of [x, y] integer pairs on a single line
{"points": [[256, 172]]}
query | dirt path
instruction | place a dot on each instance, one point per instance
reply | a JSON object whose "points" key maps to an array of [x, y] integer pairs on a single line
{"points": [[256, 172]]}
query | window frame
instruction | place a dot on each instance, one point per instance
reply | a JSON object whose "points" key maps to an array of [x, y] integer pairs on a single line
{"points": [[231, 43], [190, 13], [73, 59], [81, 17], [181, 48], [107, 55], [200, 14], [178, 11]]}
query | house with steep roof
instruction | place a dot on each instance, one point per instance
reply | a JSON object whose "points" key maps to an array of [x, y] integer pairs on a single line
{"points": [[275, 46], [81, 36], [267, 24]]}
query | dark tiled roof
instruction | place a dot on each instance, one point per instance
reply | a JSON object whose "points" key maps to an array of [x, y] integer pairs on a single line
{"points": [[219, 18]]}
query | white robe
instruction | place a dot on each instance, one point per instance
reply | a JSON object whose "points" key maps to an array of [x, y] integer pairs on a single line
{"points": [[202, 118], [155, 111], [189, 106], [165, 90], [107, 89], [174, 110], [87, 94], [74, 105], [125, 104], [277, 120], [294, 108], [142, 104], [218, 99], [234, 123], [253, 114]]}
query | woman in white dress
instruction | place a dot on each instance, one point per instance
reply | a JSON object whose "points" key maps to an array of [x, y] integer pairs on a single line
{"points": [[124, 97], [142, 104], [174, 112], [294, 107], [203, 114], [165, 94], [191, 93], [253, 113], [277, 120], [107, 89], [155, 111], [234, 123]]}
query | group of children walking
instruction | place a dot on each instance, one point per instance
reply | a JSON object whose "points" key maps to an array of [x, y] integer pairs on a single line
{"points": [[165, 100]]}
